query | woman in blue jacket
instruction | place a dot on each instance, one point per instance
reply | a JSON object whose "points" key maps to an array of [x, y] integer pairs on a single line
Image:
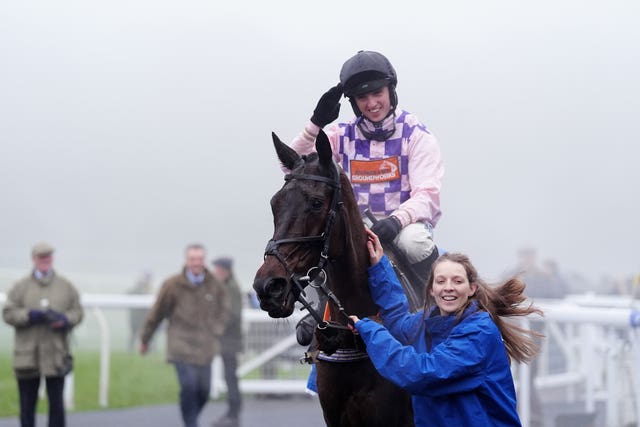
{"points": [[453, 356]]}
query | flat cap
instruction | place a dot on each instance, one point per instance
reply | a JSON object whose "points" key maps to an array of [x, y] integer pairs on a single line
{"points": [[41, 249], [224, 262]]}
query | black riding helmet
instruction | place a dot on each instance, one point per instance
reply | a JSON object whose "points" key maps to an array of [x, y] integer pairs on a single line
{"points": [[365, 72]]}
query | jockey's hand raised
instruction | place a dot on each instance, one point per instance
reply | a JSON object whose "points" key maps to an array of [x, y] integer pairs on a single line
{"points": [[374, 246], [328, 108]]}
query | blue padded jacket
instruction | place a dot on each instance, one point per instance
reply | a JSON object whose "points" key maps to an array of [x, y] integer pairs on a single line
{"points": [[457, 370]]}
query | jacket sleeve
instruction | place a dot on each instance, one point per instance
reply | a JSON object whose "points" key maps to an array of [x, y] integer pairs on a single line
{"points": [[388, 294], [13, 312], [454, 366], [425, 176], [74, 312], [160, 310]]}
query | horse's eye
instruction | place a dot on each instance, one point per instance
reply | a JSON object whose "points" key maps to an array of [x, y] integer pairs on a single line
{"points": [[316, 204]]}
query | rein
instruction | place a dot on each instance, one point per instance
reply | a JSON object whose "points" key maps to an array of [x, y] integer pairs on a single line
{"points": [[316, 276]]}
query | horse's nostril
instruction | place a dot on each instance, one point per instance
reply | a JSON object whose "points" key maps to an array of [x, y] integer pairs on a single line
{"points": [[275, 287], [270, 288], [273, 295]]}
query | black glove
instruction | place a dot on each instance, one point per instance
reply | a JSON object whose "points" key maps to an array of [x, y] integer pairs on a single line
{"points": [[56, 319], [36, 316], [328, 107], [387, 229]]}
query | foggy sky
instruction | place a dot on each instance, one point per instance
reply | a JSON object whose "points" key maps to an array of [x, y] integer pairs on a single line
{"points": [[131, 128]]}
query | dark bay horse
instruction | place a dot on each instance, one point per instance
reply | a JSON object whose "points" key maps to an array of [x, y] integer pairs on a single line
{"points": [[319, 240]]}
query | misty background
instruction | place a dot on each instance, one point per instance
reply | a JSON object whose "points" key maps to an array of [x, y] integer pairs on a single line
{"points": [[129, 129]]}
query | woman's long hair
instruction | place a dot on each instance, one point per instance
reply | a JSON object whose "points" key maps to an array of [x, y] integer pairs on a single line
{"points": [[504, 300]]}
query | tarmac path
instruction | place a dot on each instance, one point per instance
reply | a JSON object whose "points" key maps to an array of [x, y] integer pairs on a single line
{"points": [[257, 412], [273, 411]]}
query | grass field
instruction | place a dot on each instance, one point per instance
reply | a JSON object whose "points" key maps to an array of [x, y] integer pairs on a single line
{"points": [[134, 381]]}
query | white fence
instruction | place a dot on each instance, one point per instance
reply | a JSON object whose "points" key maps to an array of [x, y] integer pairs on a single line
{"points": [[600, 352], [591, 336]]}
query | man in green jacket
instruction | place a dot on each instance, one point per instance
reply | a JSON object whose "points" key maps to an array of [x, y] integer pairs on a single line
{"points": [[43, 308], [197, 308], [231, 342]]}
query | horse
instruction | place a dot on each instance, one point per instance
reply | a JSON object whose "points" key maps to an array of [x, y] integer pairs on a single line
{"points": [[319, 240]]}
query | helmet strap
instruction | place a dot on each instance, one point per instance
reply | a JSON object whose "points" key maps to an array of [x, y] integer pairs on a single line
{"points": [[393, 97]]}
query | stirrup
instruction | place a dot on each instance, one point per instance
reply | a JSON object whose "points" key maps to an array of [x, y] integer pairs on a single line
{"points": [[309, 357]]}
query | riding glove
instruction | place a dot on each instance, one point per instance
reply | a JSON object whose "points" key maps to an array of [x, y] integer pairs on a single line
{"points": [[328, 107], [387, 229]]}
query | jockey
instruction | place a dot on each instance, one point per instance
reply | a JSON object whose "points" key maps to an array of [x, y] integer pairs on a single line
{"points": [[391, 158]]}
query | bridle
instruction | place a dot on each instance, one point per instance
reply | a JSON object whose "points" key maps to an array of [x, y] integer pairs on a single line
{"points": [[316, 276]]}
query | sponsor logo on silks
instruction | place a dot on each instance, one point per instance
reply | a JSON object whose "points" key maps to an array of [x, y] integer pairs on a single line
{"points": [[374, 171]]}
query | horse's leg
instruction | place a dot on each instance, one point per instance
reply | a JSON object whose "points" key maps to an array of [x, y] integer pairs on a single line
{"points": [[384, 403], [353, 394], [397, 410], [331, 392]]}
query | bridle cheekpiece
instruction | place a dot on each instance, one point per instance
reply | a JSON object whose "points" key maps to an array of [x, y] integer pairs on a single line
{"points": [[316, 276]]}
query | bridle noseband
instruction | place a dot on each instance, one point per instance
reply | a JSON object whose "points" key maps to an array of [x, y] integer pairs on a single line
{"points": [[316, 276]]}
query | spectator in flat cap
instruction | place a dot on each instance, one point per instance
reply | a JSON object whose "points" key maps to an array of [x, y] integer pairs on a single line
{"points": [[231, 341], [43, 307], [41, 249]]}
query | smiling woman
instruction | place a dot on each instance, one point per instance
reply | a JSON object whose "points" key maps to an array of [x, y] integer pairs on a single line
{"points": [[451, 288], [453, 356]]}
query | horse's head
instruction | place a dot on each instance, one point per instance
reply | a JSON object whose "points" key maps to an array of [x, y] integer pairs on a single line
{"points": [[309, 226]]}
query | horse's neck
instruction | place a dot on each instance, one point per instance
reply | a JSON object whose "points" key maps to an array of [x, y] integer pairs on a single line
{"points": [[351, 280], [351, 285]]}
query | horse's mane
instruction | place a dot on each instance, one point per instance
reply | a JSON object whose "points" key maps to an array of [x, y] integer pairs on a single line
{"points": [[355, 234]]}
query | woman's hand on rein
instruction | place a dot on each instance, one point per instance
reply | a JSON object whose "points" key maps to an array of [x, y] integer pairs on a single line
{"points": [[374, 246], [352, 323]]}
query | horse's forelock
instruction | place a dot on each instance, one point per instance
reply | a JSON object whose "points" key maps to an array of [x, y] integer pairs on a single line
{"points": [[308, 158]]}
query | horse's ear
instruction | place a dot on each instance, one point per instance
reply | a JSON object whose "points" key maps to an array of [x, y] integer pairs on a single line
{"points": [[286, 154], [323, 147]]}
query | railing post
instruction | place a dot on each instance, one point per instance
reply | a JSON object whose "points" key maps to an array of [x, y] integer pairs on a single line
{"points": [[612, 387], [589, 365], [572, 359], [105, 354], [635, 348], [69, 392]]}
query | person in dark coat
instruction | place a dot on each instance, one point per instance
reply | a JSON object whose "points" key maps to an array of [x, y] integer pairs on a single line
{"points": [[197, 307], [231, 341]]}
